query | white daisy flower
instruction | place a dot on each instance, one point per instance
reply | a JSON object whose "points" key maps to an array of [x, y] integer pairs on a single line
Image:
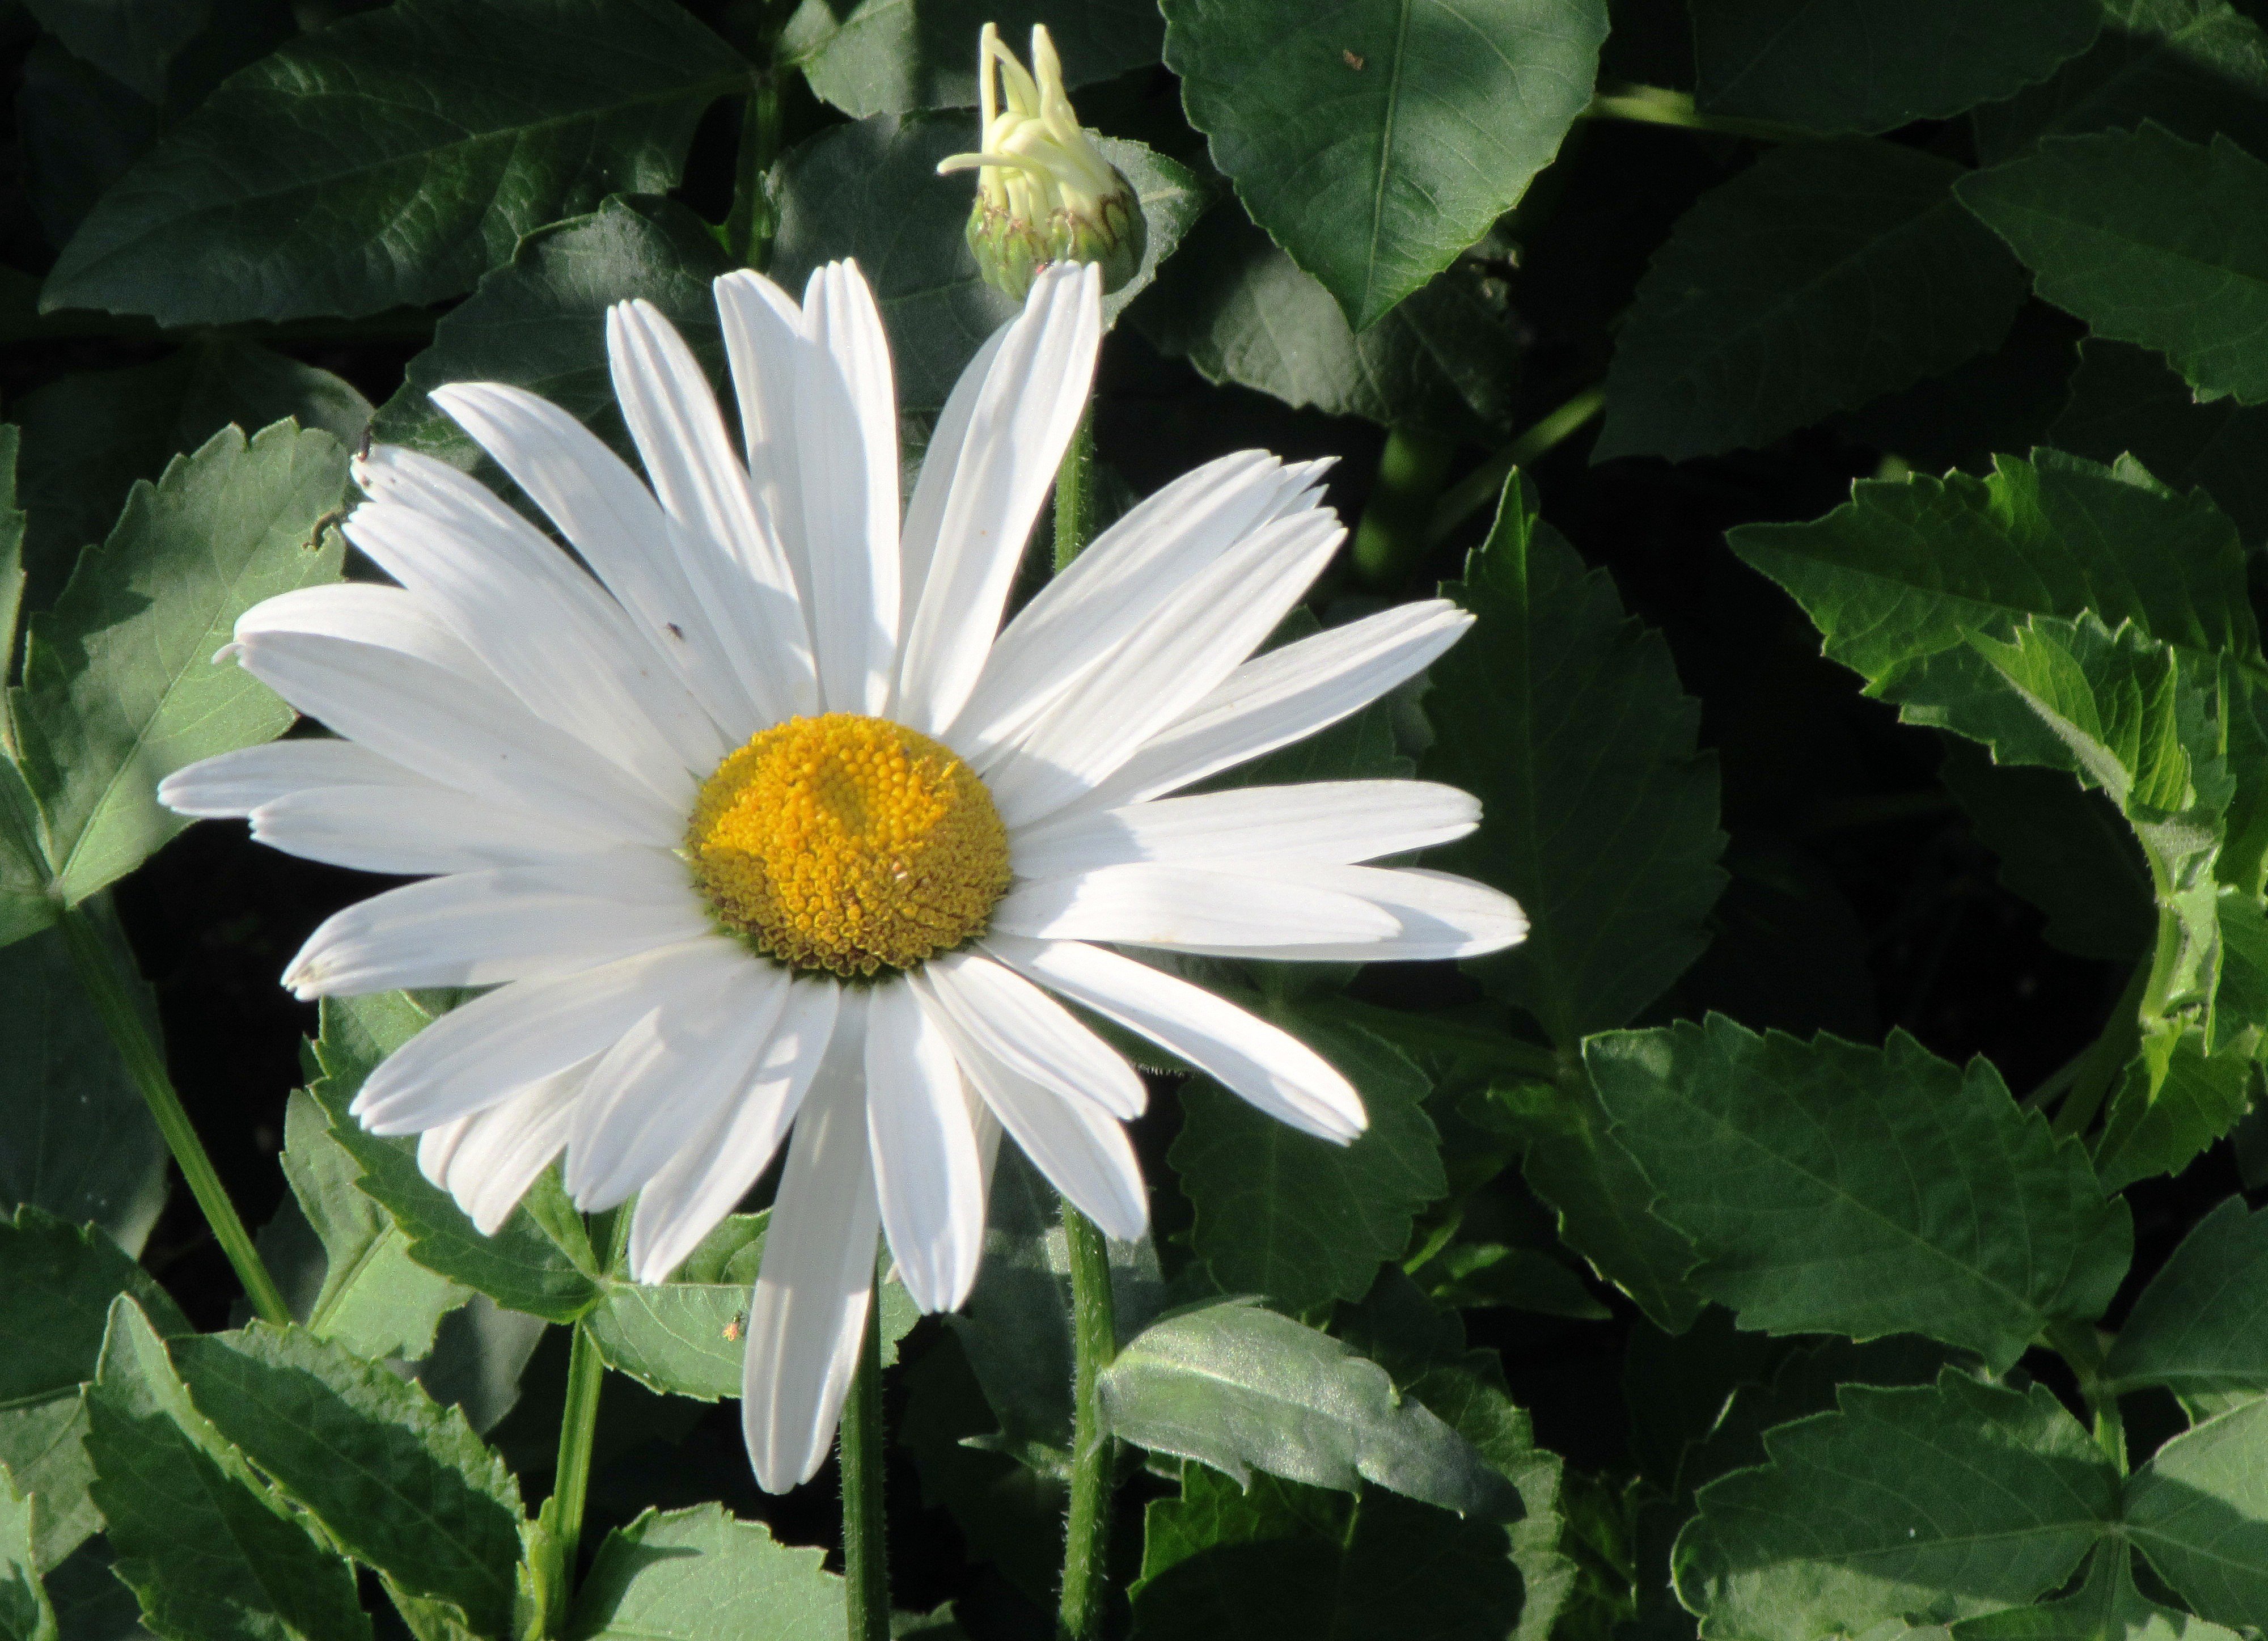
{"points": [[765, 829]]}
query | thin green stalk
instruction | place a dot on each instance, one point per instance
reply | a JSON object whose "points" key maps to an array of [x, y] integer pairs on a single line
{"points": [[1655, 105], [98, 969], [1392, 535], [579, 1426], [1093, 1454], [749, 228], [1075, 493], [1480, 486], [865, 1550]]}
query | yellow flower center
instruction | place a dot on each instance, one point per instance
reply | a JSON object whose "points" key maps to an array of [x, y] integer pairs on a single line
{"points": [[848, 843]]}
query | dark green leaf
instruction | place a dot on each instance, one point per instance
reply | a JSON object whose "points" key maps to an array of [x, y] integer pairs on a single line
{"points": [[1241, 310], [2125, 399], [1906, 1196], [480, 1353], [2176, 1099], [1471, 1276], [1375, 139], [397, 1483], [2200, 1328], [2106, 1607], [1243, 1389], [2004, 399], [1563, 716], [2149, 239], [1296, 1218], [1010, 1512], [2199, 1511], [393, 157], [677, 1577], [1847, 65], [120, 686], [212, 1553], [888, 56], [1946, 1500], [26, 1613]]}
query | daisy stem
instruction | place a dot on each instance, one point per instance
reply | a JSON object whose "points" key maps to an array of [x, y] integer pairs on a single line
{"points": [[1075, 493], [97, 965], [866, 1550], [1094, 1336], [749, 227], [578, 1427]]}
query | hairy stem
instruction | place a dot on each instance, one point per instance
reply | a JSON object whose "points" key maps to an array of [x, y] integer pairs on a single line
{"points": [[1075, 493], [1393, 535], [1480, 486], [865, 1552], [753, 221], [1086, 1534], [578, 1426], [97, 967]]}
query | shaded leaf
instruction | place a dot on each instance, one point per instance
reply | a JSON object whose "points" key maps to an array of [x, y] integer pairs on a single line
{"points": [[2198, 1512], [2106, 1607], [2125, 399], [2176, 1099], [888, 56], [672, 1576], [26, 1613], [2200, 1328], [1009, 1511]]}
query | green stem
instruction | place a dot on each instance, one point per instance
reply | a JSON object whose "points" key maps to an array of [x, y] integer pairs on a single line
{"points": [[1655, 105], [2106, 1056], [97, 967], [1093, 1457], [1075, 493], [1392, 535], [2080, 1345], [749, 229], [866, 1550], [1480, 486], [578, 1426]]}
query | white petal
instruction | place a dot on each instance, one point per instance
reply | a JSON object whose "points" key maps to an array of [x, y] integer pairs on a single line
{"points": [[1117, 584], [238, 783], [1317, 820], [391, 618], [926, 1167], [1438, 916], [518, 923], [1080, 1147], [1033, 394], [488, 1160], [1185, 909], [1286, 695], [664, 1081], [474, 1056], [473, 738], [1029, 1031], [1268, 1067], [764, 341], [1211, 623], [700, 1185], [617, 526], [847, 451], [741, 574], [807, 1316], [409, 830], [940, 459]]}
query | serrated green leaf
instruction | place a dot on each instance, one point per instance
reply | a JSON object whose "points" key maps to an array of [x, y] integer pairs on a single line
{"points": [[2106, 1607], [2198, 1512], [2125, 399], [869, 190], [1599, 814], [1824, 275], [2150, 239], [1298, 1218], [120, 689], [26, 1613], [395, 156], [213, 1555], [1907, 1195], [1946, 1500], [397, 1483], [2176, 1099], [1375, 139], [673, 1576], [888, 56], [1846, 65], [539, 1261], [56, 1283], [1238, 309], [2200, 1328], [76, 1137], [1243, 1389]]}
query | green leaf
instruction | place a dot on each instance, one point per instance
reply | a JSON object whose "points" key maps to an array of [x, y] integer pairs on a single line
{"points": [[1948, 1500], [2106, 1607], [56, 1283], [75, 1138], [2175, 1098], [1296, 1218], [677, 1576], [393, 157], [1240, 310], [212, 1553], [2150, 239], [2199, 1511], [1907, 1195], [120, 687], [399, 1483], [539, 1261], [1375, 139], [869, 189], [1241, 1388], [1474, 1276], [2125, 399], [1009, 1511], [1825, 274], [373, 1298], [1563, 716], [889, 56], [2200, 1328], [26, 1613], [1847, 65]]}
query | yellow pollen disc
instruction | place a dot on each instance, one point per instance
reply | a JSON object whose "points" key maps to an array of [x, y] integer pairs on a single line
{"points": [[848, 843]]}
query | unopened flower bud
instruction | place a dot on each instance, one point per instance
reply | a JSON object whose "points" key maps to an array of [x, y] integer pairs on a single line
{"points": [[1044, 192]]}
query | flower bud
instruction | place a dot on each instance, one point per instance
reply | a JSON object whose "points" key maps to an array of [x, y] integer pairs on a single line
{"points": [[1044, 192]]}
